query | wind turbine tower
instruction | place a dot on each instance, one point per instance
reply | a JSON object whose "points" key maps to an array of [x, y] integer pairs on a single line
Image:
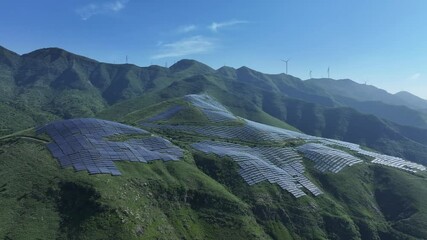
{"points": [[310, 74], [329, 73], [286, 62]]}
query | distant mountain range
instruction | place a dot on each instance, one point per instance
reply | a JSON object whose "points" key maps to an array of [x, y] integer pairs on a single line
{"points": [[403, 107]]}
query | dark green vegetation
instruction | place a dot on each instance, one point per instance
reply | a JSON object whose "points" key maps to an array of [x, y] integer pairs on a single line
{"points": [[202, 196]]}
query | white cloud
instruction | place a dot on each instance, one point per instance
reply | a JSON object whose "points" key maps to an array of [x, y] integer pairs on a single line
{"points": [[92, 9], [186, 28], [115, 6], [415, 76], [184, 47], [214, 27]]}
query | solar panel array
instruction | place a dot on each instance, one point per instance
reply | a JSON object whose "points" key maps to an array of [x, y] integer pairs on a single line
{"points": [[253, 133], [379, 158], [250, 131], [83, 144], [169, 113], [277, 133], [213, 110], [205, 102], [327, 159], [282, 166]]}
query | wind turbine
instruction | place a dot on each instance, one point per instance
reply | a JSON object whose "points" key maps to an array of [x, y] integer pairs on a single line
{"points": [[286, 61]]}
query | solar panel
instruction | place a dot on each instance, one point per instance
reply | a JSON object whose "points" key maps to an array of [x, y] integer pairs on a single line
{"points": [[274, 164], [328, 159], [378, 158], [169, 113], [83, 144], [213, 110]]}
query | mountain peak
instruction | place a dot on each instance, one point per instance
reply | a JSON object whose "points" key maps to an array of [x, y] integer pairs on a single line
{"points": [[4, 50], [48, 51], [413, 100], [227, 71], [190, 64], [404, 93], [247, 70], [52, 54], [8, 57]]}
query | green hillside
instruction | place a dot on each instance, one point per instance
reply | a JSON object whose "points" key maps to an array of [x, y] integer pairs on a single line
{"points": [[202, 196]]}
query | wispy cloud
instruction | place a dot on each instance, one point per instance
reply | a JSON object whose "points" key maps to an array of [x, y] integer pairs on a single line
{"points": [[186, 28], [184, 47], [92, 9], [214, 27], [415, 76]]}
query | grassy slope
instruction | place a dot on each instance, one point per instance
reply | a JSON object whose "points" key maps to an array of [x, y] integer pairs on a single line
{"points": [[214, 86], [164, 200], [352, 207], [200, 197]]}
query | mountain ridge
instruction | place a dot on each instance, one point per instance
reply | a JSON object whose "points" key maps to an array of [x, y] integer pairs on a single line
{"points": [[362, 92], [42, 92], [60, 51]]}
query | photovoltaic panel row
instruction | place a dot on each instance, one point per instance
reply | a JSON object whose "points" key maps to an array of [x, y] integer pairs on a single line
{"points": [[379, 158], [250, 131], [256, 132], [169, 113], [327, 159], [204, 101], [218, 116], [212, 109], [83, 144], [282, 166]]}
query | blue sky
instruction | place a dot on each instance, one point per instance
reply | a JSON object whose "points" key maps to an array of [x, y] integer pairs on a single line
{"points": [[381, 42]]}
